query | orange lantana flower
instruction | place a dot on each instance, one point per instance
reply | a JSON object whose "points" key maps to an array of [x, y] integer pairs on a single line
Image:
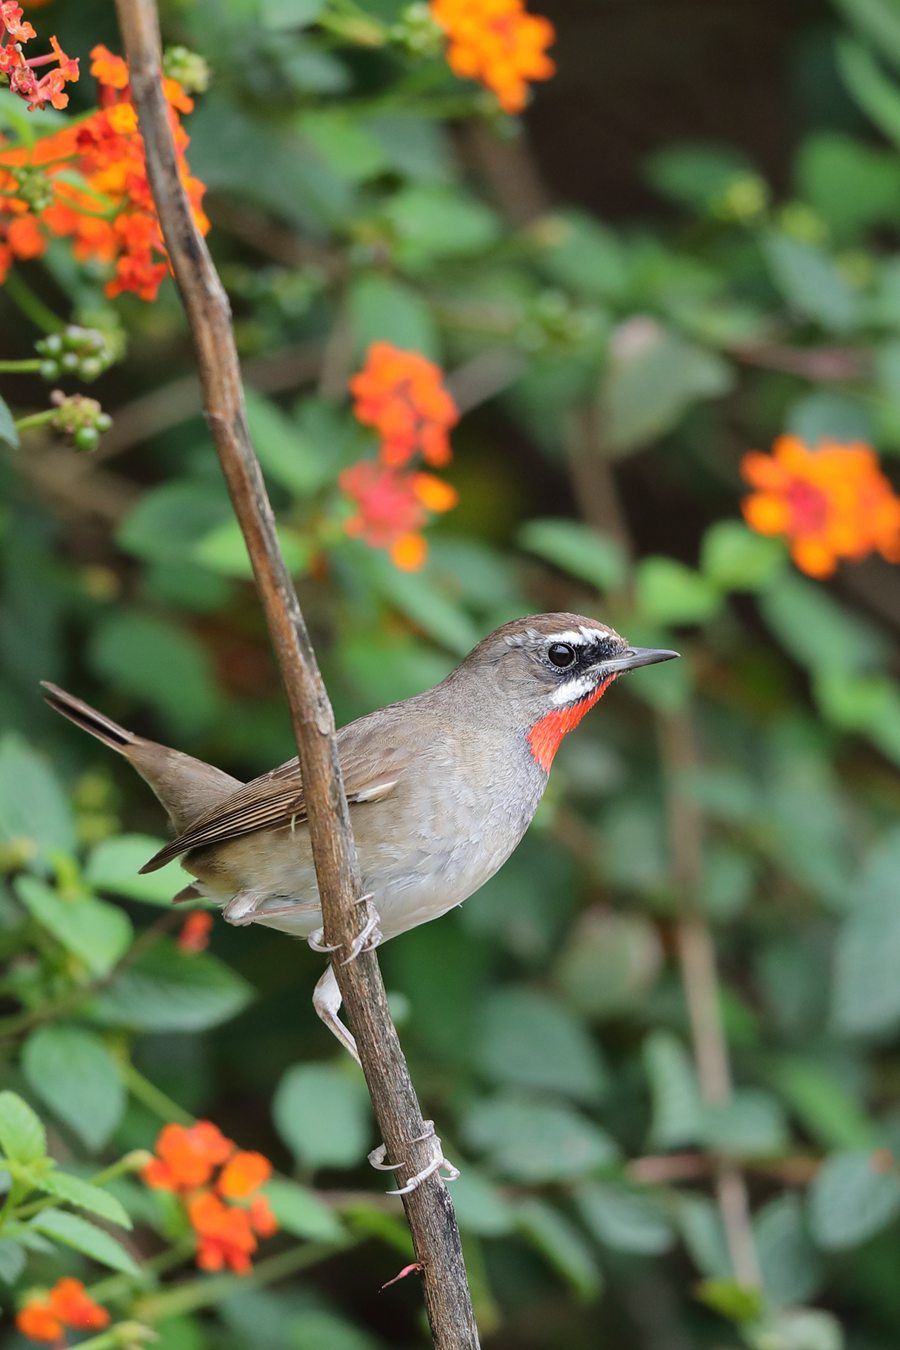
{"points": [[68, 1304], [498, 43], [391, 508], [403, 396], [243, 1174], [186, 1161], [108, 210], [186, 1156], [831, 502], [20, 69], [195, 931]]}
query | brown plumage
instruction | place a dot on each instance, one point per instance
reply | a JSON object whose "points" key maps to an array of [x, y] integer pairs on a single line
{"points": [[441, 786]]}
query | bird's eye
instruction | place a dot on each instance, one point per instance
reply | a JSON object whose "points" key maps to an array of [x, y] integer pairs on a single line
{"points": [[561, 655]]}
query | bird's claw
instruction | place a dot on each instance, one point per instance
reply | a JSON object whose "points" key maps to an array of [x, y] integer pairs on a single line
{"points": [[366, 940], [438, 1161], [316, 941]]}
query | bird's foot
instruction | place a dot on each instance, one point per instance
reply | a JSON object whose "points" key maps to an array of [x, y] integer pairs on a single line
{"points": [[366, 940], [369, 936], [316, 941], [438, 1161]]}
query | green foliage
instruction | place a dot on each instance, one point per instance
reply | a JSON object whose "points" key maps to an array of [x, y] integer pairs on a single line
{"points": [[709, 892]]}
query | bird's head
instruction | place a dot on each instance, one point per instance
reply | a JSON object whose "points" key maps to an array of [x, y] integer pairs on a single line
{"points": [[548, 670]]}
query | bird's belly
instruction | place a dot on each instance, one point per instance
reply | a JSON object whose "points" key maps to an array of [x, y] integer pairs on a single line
{"points": [[456, 848]]}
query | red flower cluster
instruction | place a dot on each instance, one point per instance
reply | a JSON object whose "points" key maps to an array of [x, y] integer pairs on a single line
{"points": [[195, 931], [403, 396], [498, 43], [109, 213], [67, 1304], [832, 502], [187, 1157], [19, 69]]}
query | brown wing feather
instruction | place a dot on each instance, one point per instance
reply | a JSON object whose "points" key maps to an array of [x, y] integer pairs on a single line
{"points": [[275, 800]]}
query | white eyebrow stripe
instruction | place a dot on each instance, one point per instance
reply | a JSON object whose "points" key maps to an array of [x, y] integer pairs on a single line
{"points": [[572, 691], [581, 638]]}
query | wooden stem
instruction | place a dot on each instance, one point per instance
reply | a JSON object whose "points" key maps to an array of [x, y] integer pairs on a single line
{"points": [[429, 1209]]}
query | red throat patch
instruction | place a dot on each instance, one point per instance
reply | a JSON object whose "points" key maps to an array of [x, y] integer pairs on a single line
{"points": [[546, 736]]}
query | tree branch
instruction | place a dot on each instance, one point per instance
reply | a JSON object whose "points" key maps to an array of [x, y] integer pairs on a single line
{"points": [[429, 1208]]}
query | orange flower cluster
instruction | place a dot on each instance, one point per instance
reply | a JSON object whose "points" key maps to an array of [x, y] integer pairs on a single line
{"points": [[195, 931], [187, 1158], [498, 43], [109, 213], [19, 69], [403, 396], [67, 1304], [831, 502]]}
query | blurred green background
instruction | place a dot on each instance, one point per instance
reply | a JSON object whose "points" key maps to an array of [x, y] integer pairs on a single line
{"points": [[661, 1043]]}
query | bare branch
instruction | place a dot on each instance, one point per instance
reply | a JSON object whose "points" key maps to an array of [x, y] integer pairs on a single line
{"points": [[429, 1208]]}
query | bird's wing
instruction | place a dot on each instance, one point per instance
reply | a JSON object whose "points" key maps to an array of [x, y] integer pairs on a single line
{"points": [[276, 800]]}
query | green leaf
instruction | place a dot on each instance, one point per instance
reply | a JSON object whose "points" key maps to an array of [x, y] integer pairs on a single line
{"points": [[160, 663], [114, 865], [854, 1196], [733, 558], [96, 932], [22, 1136], [798, 1329], [823, 1104], [169, 519], [866, 987], [879, 21], [700, 1225], [791, 1268], [431, 222], [12, 1261], [383, 309], [577, 549], [874, 91], [287, 455], [818, 632], [652, 378], [166, 989], [624, 1217], [532, 1140], [562, 1245], [811, 283], [223, 550], [825, 415], [696, 176], [9, 436], [609, 962], [347, 147], [418, 596], [738, 1302], [670, 592], [581, 254], [73, 1231], [84, 1195], [284, 14], [750, 1124], [677, 1106], [33, 806], [74, 1073], [300, 1212], [529, 1040], [850, 184], [481, 1207], [323, 1115]]}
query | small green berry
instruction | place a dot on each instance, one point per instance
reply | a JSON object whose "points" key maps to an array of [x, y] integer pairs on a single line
{"points": [[86, 438], [49, 370]]}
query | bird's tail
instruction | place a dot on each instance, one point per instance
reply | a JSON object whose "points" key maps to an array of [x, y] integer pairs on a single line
{"points": [[88, 718]]}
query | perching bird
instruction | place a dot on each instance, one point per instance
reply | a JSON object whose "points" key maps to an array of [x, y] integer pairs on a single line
{"points": [[441, 787]]}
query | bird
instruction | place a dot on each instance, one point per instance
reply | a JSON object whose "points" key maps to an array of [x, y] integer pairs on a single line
{"points": [[441, 788]]}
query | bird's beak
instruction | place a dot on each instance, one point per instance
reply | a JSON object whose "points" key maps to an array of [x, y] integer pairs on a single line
{"points": [[638, 656]]}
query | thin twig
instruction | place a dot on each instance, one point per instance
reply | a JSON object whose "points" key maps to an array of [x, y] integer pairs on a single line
{"points": [[429, 1208]]}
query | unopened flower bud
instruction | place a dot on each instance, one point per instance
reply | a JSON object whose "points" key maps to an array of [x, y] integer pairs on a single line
{"points": [[188, 68]]}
